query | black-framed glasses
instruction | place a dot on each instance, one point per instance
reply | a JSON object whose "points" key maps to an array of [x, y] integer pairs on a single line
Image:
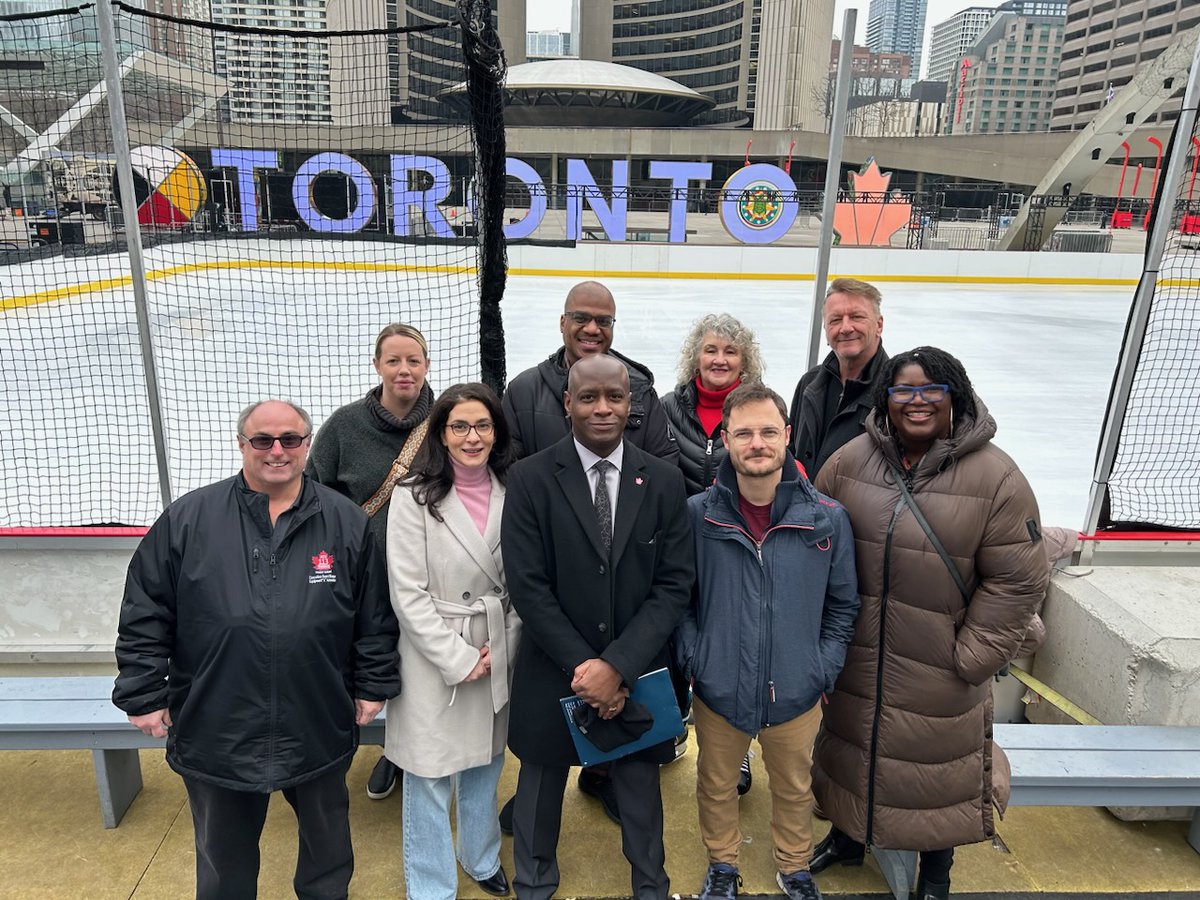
{"points": [[582, 318], [462, 429], [929, 393], [288, 441]]}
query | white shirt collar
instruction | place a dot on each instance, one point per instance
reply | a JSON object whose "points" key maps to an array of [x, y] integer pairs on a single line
{"points": [[589, 459]]}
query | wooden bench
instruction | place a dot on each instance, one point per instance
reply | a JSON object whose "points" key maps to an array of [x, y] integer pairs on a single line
{"points": [[1087, 765], [76, 713]]}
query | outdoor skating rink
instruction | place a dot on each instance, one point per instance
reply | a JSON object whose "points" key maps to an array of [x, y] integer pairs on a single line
{"points": [[1042, 359]]}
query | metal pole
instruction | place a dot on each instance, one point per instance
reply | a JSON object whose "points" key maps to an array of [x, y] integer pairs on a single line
{"points": [[1142, 300], [133, 235], [833, 169]]}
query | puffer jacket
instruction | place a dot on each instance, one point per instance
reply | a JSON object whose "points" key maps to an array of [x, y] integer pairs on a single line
{"points": [[905, 758], [533, 405], [767, 629], [257, 639], [700, 454]]}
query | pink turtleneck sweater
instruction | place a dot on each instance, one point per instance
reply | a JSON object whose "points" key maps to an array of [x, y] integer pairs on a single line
{"points": [[473, 485]]}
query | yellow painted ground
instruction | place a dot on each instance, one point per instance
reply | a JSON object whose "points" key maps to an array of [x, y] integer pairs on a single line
{"points": [[54, 846]]}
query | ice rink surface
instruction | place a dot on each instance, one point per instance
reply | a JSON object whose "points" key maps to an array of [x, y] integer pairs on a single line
{"points": [[1042, 358]]}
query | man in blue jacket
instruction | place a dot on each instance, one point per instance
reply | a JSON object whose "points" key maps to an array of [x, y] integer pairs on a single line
{"points": [[256, 636], [772, 613]]}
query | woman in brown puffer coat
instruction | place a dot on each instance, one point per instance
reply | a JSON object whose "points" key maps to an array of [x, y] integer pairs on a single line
{"points": [[905, 758]]}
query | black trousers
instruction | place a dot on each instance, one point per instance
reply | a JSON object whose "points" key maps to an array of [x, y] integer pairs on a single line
{"points": [[934, 864], [537, 816], [229, 823]]}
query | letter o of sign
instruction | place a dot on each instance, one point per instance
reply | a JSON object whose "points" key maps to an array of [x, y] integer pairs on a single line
{"points": [[527, 175], [341, 164], [758, 204]]}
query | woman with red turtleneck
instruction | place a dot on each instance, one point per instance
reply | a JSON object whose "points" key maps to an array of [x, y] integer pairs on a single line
{"points": [[718, 354]]}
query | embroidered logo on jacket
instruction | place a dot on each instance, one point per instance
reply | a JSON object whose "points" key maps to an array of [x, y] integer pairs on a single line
{"points": [[322, 569]]}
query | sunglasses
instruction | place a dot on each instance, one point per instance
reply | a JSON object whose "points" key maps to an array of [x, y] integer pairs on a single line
{"points": [[289, 441]]}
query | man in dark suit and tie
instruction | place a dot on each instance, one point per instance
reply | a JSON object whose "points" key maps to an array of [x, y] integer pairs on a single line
{"points": [[599, 559]]}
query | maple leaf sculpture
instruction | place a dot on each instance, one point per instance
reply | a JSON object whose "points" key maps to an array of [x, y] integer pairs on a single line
{"points": [[870, 218]]}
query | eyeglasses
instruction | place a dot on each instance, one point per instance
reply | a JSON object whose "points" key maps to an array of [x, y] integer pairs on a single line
{"points": [[582, 318], [929, 393], [289, 441], [746, 435], [462, 429]]}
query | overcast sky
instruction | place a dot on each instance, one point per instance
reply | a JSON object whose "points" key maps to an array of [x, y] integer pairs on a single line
{"points": [[556, 14]]}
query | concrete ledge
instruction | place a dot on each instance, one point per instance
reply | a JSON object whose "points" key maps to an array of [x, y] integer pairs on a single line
{"points": [[55, 600], [1123, 642]]}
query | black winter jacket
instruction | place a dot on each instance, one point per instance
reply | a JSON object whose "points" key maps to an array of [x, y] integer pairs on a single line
{"points": [[257, 639], [700, 454], [533, 405], [808, 411]]}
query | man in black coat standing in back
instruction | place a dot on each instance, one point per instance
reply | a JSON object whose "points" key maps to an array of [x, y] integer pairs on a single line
{"points": [[833, 398], [600, 567]]}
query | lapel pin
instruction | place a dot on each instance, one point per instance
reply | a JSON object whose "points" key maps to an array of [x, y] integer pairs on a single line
{"points": [[638, 480]]}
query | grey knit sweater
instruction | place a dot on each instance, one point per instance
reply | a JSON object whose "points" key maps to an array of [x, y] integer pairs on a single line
{"points": [[355, 448]]}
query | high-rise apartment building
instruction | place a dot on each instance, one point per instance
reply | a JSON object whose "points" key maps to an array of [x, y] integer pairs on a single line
{"points": [[950, 40], [1006, 81], [359, 80], [897, 26], [548, 44], [1104, 46], [755, 60]]}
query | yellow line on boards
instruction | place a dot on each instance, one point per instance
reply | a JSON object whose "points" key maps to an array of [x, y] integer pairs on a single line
{"points": [[107, 284], [809, 276]]}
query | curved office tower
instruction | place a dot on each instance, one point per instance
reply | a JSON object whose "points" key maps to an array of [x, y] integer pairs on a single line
{"points": [[761, 65]]}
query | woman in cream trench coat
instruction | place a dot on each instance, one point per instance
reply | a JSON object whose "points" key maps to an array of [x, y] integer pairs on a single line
{"points": [[458, 638]]}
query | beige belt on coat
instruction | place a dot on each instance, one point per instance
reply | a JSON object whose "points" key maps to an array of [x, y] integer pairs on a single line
{"points": [[491, 606]]}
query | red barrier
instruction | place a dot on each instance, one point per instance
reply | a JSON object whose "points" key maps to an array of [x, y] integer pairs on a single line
{"points": [[1122, 219], [1142, 536], [1190, 224], [79, 531]]}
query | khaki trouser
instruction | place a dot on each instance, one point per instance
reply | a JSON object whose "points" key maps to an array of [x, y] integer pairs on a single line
{"points": [[787, 752]]}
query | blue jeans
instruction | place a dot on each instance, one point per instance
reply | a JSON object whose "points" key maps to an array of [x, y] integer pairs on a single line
{"points": [[430, 872]]}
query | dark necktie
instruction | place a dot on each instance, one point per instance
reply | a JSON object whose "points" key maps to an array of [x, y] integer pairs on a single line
{"points": [[603, 504]]}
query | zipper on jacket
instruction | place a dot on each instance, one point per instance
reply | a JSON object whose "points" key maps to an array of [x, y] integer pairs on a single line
{"points": [[767, 613], [878, 712], [254, 565], [274, 573]]}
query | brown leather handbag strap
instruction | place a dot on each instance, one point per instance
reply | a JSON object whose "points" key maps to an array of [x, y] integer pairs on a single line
{"points": [[399, 469]]}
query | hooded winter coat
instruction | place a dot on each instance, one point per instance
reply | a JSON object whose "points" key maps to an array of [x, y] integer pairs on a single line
{"points": [[905, 758]]}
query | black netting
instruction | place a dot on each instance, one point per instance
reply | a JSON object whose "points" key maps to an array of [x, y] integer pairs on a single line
{"points": [[1155, 479], [299, 184]]}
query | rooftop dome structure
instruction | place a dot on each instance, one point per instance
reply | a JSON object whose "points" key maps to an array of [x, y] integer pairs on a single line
{"points": [[591, 93]]}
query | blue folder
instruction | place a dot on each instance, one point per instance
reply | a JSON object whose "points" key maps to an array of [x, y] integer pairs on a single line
{"points": [[655, 692]]}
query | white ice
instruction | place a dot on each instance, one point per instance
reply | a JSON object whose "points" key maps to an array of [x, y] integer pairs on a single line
{"points": [[1042, 358]]}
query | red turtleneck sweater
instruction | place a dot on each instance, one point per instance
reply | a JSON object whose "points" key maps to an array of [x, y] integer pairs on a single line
{"points": [[709, 403]]}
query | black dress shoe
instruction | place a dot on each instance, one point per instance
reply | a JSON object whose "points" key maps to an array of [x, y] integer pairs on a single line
{"points": [[497, 885], [601, 787], [932, 890], [506, 816], [830, 851]]}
